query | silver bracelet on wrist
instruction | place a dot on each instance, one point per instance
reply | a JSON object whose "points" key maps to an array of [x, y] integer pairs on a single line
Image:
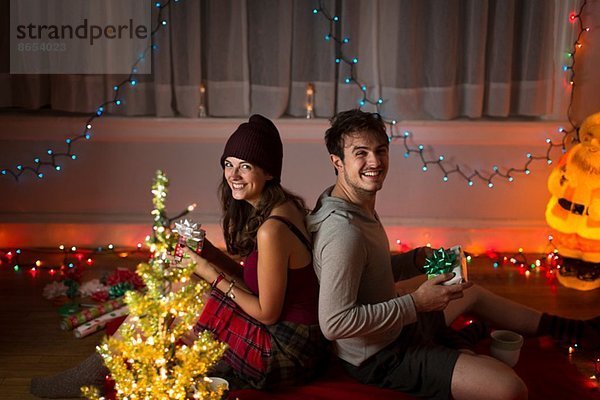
{"points": [[229, 293]]}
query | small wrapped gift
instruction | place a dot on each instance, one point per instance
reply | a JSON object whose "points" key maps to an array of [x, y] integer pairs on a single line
{"points": [[447, 260], [190, 235]]}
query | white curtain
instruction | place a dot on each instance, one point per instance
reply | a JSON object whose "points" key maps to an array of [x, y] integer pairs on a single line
{"points": [[427, 59]]}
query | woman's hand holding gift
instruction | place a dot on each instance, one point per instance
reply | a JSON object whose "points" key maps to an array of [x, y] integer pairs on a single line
{"points": [[203, 267]]}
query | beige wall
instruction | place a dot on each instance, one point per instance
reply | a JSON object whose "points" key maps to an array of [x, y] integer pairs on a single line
{"points": [[104, 195]]}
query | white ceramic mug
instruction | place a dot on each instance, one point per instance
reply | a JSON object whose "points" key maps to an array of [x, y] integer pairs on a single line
{"points": [[215, 383], [506, 346]]}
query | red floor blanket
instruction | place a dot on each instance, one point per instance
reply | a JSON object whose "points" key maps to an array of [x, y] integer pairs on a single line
{"points": [[544, 367]]}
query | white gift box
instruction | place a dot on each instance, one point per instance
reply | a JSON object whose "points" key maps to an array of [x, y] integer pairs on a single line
{"points": [[460, 267]]}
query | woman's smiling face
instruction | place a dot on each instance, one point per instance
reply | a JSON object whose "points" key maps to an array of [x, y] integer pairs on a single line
{"points": [[246, 180]]}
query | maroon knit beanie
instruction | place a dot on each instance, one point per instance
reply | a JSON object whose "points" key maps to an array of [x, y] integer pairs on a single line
{"points": [[256, 141]]}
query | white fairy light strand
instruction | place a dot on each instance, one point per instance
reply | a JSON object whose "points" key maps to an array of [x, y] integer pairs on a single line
{"points": [[52, 157], [568, 136]]}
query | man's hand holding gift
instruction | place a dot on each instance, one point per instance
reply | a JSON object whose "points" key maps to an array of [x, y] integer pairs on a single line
{"points": [[444, 261]]}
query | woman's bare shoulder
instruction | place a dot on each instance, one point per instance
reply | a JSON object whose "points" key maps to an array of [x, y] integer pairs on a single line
{"points": [[291, 212], [287, 210]]}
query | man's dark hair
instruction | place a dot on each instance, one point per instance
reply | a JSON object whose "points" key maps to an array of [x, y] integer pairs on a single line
{"points": [[351, 121]]}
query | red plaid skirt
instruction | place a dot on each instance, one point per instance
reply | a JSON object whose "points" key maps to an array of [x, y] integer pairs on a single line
{"points": [[263, 356]]}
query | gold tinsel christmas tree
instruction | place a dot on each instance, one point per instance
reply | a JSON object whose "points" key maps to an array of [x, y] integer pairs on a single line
{"points": [[149, 361]]}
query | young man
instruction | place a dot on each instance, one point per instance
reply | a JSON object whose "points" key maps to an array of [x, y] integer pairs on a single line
{"points": [[392, 340]]}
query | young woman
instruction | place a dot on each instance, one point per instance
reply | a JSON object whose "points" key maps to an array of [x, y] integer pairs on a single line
{"points": [[266, 311]]}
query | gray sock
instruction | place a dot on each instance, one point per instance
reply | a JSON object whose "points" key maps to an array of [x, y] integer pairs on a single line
{"points": [[90, 372]]}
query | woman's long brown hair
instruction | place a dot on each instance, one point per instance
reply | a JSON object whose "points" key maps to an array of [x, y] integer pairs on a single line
{"points": [[241, 220]]}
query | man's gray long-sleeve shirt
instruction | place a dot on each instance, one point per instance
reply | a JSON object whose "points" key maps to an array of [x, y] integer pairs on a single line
{"points": [[358, 306]]}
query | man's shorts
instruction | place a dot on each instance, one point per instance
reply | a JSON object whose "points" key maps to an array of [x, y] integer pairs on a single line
{"points": [[415, 363]]}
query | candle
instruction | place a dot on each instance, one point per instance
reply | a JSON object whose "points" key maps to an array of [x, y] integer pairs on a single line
{"points": [[310, 100], [202, 103]]}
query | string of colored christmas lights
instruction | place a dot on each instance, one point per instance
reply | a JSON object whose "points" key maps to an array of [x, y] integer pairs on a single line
{"points": [[52, 157], [62, 257], [570, 67], [568, 135], [73, 256]]}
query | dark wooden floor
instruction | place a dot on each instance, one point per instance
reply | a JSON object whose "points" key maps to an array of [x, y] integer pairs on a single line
{"points": [[31, 342]]}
